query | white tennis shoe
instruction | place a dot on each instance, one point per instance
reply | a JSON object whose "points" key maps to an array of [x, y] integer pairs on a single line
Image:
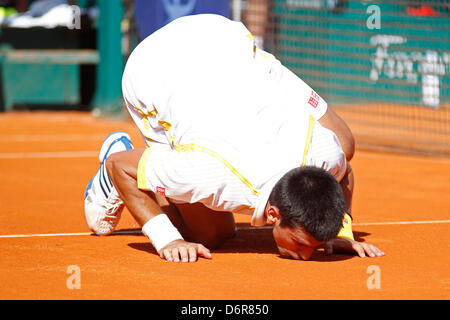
{"points": [[102, 205]]}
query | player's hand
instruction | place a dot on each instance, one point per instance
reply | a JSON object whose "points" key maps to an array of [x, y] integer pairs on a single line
{"points": [[180, 250], [344, 245]]}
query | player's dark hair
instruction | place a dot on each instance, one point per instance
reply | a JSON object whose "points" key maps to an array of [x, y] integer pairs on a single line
{"points": [[310, 197]]}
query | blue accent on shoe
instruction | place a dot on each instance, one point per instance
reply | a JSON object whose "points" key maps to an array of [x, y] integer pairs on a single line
{"points": [[88, 188], [109, 135], [127, 143], [102, 177]]}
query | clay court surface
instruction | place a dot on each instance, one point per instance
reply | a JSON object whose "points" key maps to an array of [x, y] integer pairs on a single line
{"points": [[401, 204]]}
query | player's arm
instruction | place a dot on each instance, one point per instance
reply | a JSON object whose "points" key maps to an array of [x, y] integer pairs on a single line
{"points": [[333, 122], [345, 242], [143, 205], [347, 184]]}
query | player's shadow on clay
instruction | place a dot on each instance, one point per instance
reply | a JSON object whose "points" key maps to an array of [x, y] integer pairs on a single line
{"points": [[259, 241]]}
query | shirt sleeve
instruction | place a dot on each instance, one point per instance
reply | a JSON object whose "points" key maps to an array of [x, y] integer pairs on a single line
{"points": [[326, 152]]}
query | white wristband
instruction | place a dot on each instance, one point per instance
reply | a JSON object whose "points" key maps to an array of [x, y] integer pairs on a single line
{"points": [[160, 231]]}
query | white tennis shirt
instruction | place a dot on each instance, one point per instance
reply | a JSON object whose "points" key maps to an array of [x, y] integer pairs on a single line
{"points": [[223, 120]]}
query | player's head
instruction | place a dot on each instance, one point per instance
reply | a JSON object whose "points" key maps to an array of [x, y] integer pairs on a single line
{"points": [[307, 207]]}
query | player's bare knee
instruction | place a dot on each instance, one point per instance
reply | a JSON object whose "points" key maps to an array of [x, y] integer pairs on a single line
{"points": [[111, 166], [117, 168]]}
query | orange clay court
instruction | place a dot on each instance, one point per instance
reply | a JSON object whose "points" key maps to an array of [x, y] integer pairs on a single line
{"points": [[401, 204]]}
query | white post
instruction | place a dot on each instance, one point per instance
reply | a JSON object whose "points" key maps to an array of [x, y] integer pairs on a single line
{"points": [[236, 10], [430, 80]]}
